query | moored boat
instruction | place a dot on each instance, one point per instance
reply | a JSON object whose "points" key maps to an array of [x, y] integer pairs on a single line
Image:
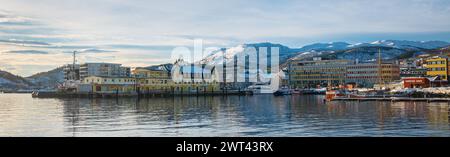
{"points": [[260, 89], [283, 91]]}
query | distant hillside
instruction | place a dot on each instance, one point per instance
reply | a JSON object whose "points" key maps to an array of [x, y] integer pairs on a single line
{"points": [[367, 53], [390, 49], [10, 81], [49, 79]]}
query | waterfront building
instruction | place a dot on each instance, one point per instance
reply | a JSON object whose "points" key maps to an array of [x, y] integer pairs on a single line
{"points": [[102, 84], [104, 70], [369, 74], [318, 72], [416, 82], [151, 73], [412, 68], [152, 79], [437, 66], [413, 72], [195, 79]]}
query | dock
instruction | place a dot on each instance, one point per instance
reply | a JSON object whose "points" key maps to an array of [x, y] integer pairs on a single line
{"points": [[393, 99], [134, 94]]}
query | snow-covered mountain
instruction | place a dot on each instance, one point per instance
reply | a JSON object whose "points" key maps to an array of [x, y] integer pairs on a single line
{"points": [[339, 50], [404, 44], [332, 46], [368, 53], [228, 53]]}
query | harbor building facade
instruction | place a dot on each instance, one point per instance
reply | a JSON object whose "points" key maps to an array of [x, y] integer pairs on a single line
{"points": [[412, 68], [195, 79], [369, 74], [323, 73], [318, 72], [109, 85], [153, 79], [437, 67]]}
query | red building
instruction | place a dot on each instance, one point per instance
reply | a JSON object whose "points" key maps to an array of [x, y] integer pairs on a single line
{"points": [[416, 82]]}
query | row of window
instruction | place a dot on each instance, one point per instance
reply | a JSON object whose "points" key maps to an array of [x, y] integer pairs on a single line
{"points": [[371, 67], [203, 82], [373, 72], [112, 80], [369, 77], [436, 62], [437, 69]]}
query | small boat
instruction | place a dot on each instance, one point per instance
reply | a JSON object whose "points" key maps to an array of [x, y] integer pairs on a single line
{"points": [[331, 94], [283, 91], [35, 94], [296, 91], [260, 89]]}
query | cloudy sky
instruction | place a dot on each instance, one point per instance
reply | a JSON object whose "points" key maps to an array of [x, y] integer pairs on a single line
{"points": [[37, 36]]}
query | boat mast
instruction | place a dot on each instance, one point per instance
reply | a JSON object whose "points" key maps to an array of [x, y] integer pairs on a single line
{"points": [[74, 59], [72, 71], [380, 70]]}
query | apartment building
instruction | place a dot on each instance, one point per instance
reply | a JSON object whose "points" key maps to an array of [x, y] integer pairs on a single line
{"points": [[104, 70]]}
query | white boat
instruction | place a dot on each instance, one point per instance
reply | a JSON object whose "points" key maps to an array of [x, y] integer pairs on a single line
{"points": [[283, 91], [260, 89]]}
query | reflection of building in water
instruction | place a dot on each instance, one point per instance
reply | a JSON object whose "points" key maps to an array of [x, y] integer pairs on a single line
{"points": [[438, 115]]}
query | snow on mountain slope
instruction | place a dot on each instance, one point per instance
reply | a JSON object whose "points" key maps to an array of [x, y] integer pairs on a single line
{"points": [[332, 46], [404, 44], [228, 53]]}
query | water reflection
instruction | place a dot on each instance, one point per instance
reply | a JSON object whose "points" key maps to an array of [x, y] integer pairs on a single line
{"points": [[220, 116]]}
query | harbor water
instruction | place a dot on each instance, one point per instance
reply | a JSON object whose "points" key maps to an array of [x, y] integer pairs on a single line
{"points": [[257, 115]]}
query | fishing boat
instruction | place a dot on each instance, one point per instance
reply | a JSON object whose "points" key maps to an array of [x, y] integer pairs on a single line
{"points": [[331, 94]]}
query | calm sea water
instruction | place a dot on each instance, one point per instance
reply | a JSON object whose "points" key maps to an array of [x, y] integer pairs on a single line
{"points": [[21, 115]]}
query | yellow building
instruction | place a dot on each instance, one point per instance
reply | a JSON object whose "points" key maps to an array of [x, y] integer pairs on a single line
{"points": [[156, 80], [110, 84], [437, 66], [153, 80], [151, 73]]}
